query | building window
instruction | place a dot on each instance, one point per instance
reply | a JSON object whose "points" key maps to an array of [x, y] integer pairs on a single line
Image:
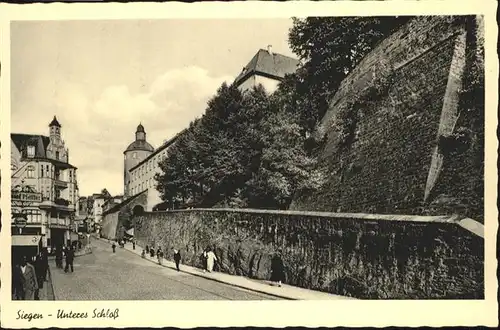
{"points": [[42, 174], [31, 171], [31, 151], [57, 155], [134, 155]]}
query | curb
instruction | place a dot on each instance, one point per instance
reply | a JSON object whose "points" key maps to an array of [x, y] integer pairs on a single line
{"points": [[52, 284], [211, 278]]}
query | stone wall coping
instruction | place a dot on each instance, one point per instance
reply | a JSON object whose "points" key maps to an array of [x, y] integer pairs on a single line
{"points": [[468, 224]]}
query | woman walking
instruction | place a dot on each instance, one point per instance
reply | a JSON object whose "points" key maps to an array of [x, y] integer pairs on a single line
{"points": [[211, 259], [277, 269]]}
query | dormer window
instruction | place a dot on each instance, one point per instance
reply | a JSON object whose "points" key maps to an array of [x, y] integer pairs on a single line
{"points": [[31, 151], [57, 155]]}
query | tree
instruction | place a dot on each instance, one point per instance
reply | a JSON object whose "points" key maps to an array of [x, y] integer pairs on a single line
{"points": [[285, 168]]}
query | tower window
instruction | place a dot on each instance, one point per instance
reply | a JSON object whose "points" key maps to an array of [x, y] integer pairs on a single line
{"points": [[57, 155]]}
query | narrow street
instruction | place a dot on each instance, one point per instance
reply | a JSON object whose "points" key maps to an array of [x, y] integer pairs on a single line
{"points": [[104, 275]]}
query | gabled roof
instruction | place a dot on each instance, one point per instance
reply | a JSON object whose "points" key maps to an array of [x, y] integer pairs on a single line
{"points": [[268, 64]]}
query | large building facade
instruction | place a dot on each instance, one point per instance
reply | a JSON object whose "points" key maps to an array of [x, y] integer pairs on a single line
{"points": [[44, 187]]}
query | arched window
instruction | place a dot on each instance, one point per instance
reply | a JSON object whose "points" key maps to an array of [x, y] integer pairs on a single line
{"points": [[57, 155], [31, 171]]}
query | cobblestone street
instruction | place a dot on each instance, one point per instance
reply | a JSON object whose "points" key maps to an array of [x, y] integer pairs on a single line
{"points": [[104, 275]]}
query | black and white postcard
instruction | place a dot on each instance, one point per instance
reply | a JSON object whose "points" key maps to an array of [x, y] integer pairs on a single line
{"points": [[193, 165]]}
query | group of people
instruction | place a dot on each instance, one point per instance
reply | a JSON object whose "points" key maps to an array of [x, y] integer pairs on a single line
{"points": [[121, 243], [208, 258], [67, 253], [160, 255], [29, 275]]}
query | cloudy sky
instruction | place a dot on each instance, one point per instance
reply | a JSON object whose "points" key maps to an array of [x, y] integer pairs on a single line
{"points": [[101, 78]]}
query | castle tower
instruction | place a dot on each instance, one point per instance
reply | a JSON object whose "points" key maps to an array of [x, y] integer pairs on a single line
{"points": [[56, 148], [55, 130], [133, 155]]}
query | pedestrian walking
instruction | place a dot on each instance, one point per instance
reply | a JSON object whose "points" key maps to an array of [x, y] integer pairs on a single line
{"points": [[277, 269], [39, 269], [159, 255], [28, 283], [122, 243], [45, 262], [17, 282], [152, 252], [147, 249], [59, 256], [143, 254], [113, 246], [133, 244], [211, 259], [204, 260], [70, 255], [177, 258]]}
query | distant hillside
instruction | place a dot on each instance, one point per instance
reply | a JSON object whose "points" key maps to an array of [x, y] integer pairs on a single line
{"points": [[405, 131]]}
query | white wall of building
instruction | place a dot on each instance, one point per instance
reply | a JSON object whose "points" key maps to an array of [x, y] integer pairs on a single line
{"points": [[270, 85]]}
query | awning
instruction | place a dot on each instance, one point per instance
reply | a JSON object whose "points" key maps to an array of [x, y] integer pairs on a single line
{"points": [[130, 232], [26, 240]]}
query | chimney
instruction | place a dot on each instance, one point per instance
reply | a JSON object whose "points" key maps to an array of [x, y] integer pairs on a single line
{"points": [[270, 49]]}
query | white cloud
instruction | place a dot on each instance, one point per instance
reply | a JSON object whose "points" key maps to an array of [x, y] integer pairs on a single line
{"points": [[97, 131]]}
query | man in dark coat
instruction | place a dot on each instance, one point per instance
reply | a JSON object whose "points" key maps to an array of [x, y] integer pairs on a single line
{"points": [[45, 261], [277, 269], [177, 258], [59, 256], [40, 269], [17, 283], [70, 255]]}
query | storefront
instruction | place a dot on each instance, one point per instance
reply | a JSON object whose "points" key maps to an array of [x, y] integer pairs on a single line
{"points": [[25, 246]]}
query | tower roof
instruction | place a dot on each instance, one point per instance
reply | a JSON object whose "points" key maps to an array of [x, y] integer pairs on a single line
{"points": [[140, 128], [54, 122], [140, 145]]}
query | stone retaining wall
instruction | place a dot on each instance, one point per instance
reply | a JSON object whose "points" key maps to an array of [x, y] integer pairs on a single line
{"points": [[363, 256]]}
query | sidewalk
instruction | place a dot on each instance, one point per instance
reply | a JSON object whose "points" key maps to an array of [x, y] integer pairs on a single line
{"points": [[265, 287]]}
